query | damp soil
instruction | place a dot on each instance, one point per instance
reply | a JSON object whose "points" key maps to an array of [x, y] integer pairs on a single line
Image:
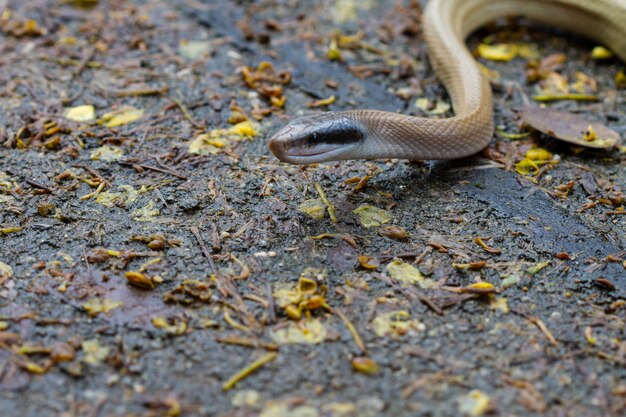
{"points": [[209, 238]]}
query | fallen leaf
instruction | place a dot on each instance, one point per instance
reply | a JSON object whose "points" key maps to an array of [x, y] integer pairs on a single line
{"points": [[474, 404], [497, 52], [371, 216], [81, 113], [407, 274], [122, 116], [193, 49], [395, 324], [5, 270], [107, 153], [568, 127], [310, 331], [94, 352], [96, 306]]}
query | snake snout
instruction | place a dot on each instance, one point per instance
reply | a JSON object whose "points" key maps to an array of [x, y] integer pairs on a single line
{"points": [[317, 138]]}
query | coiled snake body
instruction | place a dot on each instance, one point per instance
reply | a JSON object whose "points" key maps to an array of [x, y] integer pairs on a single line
{"points": [[372, 134]]}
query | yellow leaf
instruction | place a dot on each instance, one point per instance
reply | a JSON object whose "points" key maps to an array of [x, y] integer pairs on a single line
{"points": [[439, 107], [365, 365], [498, 52], [172, 325], [474, 404], [499, 303], [620, 80], [532, 270], [212, 142], [527, 50], [407, 274], [526, 167], [107, 153], [396, 324], [538, 154], [193, 49], [96, 306], [81, 113], [122, 116], [5, 270], [315, 208], [34, 368], [302, 332], [600, 52], [94, 352], [371, 216], [244, 128], [128, 196], [146, 213]]}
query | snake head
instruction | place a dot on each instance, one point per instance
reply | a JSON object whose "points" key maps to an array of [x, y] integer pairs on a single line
{"points": [[318, 138]]}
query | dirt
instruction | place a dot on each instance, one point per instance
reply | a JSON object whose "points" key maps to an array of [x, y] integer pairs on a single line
{"points": [[517, 308]]}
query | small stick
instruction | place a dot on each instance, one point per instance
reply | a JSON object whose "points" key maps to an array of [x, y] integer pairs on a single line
{"points": [[233, 380]]}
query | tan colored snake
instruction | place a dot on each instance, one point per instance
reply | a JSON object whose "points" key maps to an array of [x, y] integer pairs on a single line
{"points": [[371, 134]]}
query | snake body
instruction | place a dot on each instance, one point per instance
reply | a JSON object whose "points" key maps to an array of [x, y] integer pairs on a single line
{"points": [[372, 134]]}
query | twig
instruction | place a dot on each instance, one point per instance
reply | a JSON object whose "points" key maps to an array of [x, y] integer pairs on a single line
{"points": [[185, 111], [355, 335], [162, 169], [247, 342], [205, 250], [233, 380], [93, 172], [84, 60], [38, 185]]}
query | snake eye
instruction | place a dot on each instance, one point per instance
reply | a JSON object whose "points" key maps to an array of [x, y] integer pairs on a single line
{"points": [[323, 137], [341, 131]]}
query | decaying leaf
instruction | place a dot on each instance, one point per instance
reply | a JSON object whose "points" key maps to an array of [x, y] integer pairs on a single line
{"points": [[146, 213], [365, 365], [532, 270], [313, 207], [173, 325], [311, 331], [394, 232], [368, 262], [188, 292], [214, 141], [371, 216], [396, 324], [306, 296], [499, 303], [122, 116], [5, 270], [96, 306], [193, 49], [430, 107], [569, 127], [107, 153], [288, 409], [128, 196], [140, 280], [407, 274], [94, 352], [474, 404]]}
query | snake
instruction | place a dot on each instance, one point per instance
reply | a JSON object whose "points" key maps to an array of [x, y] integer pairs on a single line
{"points": [[375, 134]]}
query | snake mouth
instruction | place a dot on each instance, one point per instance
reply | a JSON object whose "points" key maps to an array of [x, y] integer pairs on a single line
{"points": [[317, 138], [307, 154]]}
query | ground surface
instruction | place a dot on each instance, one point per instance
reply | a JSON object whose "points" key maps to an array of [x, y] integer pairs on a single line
{"points": [[550, 342]]}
